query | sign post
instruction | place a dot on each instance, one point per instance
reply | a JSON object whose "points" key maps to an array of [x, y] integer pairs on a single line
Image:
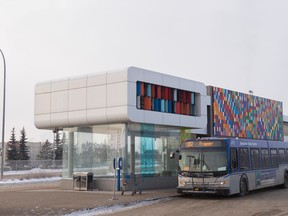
{"points": [[117, 164]]}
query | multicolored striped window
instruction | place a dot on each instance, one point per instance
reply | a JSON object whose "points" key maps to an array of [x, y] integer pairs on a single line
{"points": [[165, 99]]}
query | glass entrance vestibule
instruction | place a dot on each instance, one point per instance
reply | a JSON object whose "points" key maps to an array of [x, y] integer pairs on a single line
{"points": [[144, 149]]}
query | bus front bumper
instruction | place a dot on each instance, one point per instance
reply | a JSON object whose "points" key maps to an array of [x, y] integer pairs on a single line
{"points": [[204, 190]]}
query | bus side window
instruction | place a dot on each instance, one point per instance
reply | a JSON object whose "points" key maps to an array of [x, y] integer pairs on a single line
{"points": [[282, 156], [255, 158], [244, 159], [274, 158], [286, 150], [265, 159], [234, 160]]}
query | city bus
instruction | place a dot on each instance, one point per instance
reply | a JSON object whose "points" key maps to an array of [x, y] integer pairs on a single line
{"points": [[229, 166]]}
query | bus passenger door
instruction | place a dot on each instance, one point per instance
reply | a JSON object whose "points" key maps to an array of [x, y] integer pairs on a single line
{"points": [[233, 160], [234, 168]]}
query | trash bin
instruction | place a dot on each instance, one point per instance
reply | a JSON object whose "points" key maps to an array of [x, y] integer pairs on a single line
{"points": [[83, 181], [90, 182]]}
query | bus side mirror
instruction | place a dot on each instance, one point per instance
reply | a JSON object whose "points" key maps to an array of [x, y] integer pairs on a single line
{"points": [[180, 157], [172, 155]]}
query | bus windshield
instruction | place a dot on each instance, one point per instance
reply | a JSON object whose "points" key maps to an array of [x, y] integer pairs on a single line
{"points": [[203, 160]]}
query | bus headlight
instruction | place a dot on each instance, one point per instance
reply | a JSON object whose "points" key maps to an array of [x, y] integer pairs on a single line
{"points": [[181, 183], [222, 183]]}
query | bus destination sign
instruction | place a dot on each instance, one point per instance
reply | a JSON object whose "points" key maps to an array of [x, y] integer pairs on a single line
{"points": [[203, 143]]}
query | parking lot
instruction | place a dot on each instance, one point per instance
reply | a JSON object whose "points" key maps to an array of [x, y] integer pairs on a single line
{"points": [[267, 202]]}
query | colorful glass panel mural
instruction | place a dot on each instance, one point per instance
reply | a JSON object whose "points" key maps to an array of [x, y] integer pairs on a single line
{"points": [[165, 99], [242, 115], [147, 149]]}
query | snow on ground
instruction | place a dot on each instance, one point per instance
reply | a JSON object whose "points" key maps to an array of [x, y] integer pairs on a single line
{"points": [[28, 181], [18, 180], [35, 170], [106, 210]]}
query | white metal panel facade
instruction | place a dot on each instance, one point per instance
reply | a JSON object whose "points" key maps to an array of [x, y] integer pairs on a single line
{"points": [[110, 97]]}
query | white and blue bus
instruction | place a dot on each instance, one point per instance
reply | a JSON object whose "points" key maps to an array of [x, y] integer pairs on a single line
{"points": [[229, 166]]}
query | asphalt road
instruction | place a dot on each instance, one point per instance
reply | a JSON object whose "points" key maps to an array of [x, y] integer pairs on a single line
{"points": [[266, 202]]}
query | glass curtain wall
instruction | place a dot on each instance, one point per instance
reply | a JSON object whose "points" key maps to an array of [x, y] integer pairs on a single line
{"points": [[145, 149], [151, 145], [92, 149]]}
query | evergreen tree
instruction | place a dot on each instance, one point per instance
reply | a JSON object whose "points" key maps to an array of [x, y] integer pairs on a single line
{"points": [[58, 146], [46, 152], [12, 147], [23, 148]]}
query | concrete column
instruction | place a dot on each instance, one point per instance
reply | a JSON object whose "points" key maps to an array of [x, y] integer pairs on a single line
{"points": [[132, 154], [164, 154], [70, 154], [125, 153]]}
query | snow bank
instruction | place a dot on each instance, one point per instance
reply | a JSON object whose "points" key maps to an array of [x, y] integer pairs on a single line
{"points": [[114, 208], [19, 180], [28, 181], [35, 170]]}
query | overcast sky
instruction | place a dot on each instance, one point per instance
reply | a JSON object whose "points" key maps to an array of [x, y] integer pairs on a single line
{"points": [[235, 44]]}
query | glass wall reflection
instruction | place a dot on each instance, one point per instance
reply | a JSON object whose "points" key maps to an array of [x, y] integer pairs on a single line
{"points": [[145, 149]]}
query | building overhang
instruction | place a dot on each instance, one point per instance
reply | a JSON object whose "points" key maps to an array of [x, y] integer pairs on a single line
{"points": [[111, 97]]}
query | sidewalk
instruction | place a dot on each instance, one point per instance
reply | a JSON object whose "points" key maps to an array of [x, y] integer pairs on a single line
{"points": [[48, 199]]}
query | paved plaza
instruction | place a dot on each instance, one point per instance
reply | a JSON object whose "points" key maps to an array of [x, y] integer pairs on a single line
{"points": [[49, 199]]}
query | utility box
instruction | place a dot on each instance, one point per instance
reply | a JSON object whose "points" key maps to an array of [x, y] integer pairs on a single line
{"points": [[83, 181]]}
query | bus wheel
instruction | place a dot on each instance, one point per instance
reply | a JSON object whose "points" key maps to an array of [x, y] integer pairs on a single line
{"points": [[285, 184], [243, 187]]}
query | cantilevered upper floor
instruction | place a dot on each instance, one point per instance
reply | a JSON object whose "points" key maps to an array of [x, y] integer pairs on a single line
{"points": [[128, 95]]}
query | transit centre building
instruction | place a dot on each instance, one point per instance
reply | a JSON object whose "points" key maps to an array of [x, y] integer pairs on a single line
{"points": [[141, 116]]}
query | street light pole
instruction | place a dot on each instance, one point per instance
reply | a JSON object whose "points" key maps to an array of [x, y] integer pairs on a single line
{"points": [[3, 120]]}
